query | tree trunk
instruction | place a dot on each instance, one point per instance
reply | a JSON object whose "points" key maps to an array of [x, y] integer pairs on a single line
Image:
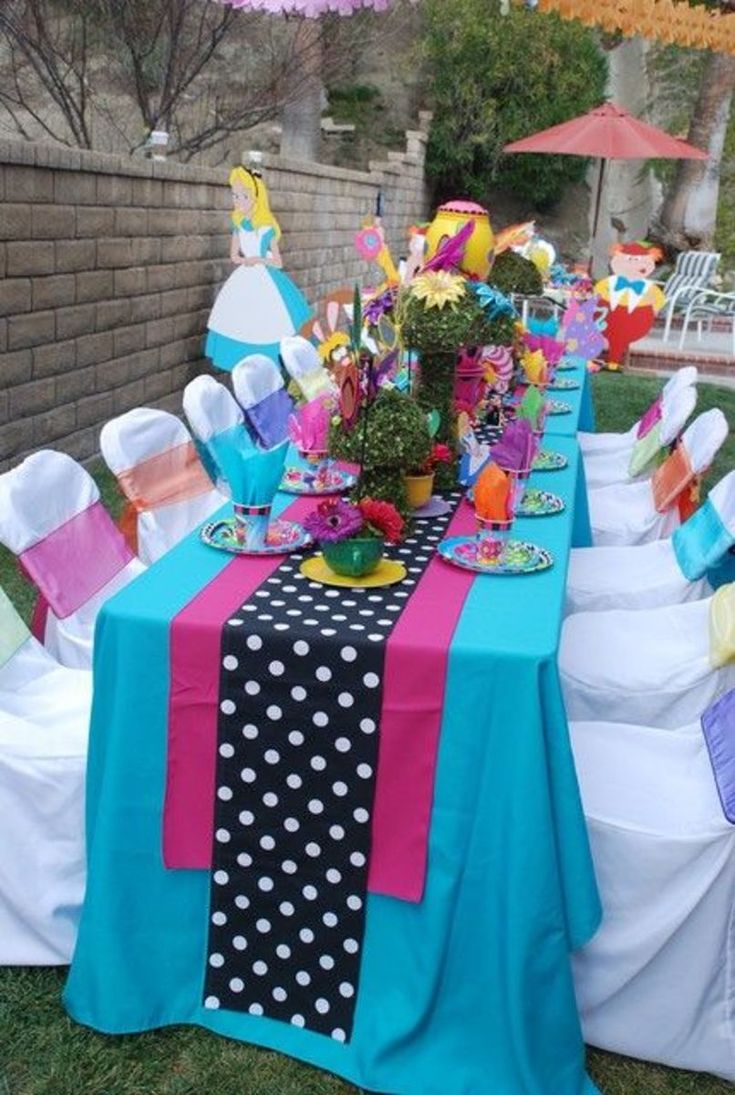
{"points": [[301, 119], [689, 214]]}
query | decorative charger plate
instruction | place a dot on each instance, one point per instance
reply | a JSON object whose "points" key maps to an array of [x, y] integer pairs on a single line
{"points": [[283, 536], [557, 406], [546, 460], [539, 503], [435, 507], [563, 384], [564, 366], [387, 573], [518, 556], [300, 481]]}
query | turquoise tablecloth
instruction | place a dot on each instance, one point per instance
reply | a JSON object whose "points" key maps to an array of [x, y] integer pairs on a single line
{"points": [[468, 993], [582, 416]]}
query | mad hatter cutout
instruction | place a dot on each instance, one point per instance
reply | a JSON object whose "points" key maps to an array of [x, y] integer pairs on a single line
{"points": [[631, 299]]}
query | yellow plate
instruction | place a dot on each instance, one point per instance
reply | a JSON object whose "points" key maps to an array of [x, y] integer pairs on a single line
{"points": [[387, 573]]}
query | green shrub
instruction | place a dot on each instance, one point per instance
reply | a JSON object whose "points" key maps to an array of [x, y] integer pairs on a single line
{"points": [[511, 273]]}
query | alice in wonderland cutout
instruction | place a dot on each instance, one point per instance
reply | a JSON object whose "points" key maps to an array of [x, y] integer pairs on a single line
{"points": [[632, 301], [259, 304]]}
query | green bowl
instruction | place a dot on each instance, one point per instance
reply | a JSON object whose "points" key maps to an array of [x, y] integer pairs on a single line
{"points": [[353, 558]]}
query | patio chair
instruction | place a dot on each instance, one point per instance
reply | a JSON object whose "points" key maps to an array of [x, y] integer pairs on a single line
{"points": [[153, 458], [709, 304], [694, 271]]}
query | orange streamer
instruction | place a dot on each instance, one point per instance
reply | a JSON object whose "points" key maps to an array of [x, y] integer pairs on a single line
{"points": [[671, 21]]}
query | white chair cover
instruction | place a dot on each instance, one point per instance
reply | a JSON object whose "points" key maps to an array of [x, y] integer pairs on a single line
{"points": [[138, 436], [36, 498], [657, 980], [44, 716], [210, 408], [647, 668], [260, 391], [302, 363], [624, 513], [643, 576]]}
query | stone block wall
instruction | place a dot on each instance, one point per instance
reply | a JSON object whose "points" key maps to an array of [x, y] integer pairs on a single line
{"points": [[109, 266]]}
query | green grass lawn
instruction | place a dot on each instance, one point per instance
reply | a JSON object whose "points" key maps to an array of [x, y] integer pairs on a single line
{"points": [[42, 1052]]}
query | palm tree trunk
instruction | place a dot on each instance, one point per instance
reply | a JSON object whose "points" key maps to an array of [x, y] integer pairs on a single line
{"points": [[689, 214], [301, 119]]}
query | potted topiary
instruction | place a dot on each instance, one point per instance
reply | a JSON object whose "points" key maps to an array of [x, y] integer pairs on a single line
{"points": [[351, 536], [420, 480], [511, 273]]}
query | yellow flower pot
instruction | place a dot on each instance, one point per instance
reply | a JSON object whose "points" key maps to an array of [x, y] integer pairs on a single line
{"points": [[418, 489]]}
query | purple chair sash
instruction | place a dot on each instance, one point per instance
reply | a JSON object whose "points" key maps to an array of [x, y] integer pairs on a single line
{"points": [[76, 560], [269, 418], [718, 726]]}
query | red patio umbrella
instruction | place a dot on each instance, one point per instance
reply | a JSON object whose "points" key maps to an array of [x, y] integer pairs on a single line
{"points": [[607, 133]]}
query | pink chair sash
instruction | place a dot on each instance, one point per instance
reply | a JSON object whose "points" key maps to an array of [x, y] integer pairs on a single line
{"points": [[171, 476], [76, 560], [650, 418]]}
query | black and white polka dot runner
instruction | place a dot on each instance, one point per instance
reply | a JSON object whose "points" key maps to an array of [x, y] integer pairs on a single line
{"points": [[300, 702]]}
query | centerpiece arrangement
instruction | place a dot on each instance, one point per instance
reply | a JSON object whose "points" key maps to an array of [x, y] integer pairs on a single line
{"points": [[352, 536]]}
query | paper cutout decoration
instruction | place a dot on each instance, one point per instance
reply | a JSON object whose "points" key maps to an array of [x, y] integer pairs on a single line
{"points": [[498, 362], [259, 304], [631, 300], [474, 454], [581, 330], [515, 236], [479, 248]]}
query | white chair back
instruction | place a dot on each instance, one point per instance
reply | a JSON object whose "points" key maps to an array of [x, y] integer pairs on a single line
{"points": [[682, 378], [722, 497], [704, 438], [260, 391], [210, 408], [676, 408], [302, 363]]}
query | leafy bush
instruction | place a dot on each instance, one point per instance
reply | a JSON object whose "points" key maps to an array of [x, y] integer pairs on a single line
{"points": [[511, 273], [497, 78]]}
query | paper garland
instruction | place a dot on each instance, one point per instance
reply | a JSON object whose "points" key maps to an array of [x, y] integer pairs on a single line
{"points": [[674, 22]]}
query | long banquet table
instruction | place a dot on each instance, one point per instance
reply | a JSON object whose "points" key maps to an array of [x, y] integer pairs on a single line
{"points": [[465, 986]]}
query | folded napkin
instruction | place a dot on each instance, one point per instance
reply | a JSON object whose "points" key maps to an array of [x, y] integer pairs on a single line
{"points": [[718, 727], [722, 626], [516, 448], [253, 475], [702, 542], [531, 407], [266, 404], [551, 348], [645, 450], [535, 366], [547, 327], [308, 427], [494, 495]]}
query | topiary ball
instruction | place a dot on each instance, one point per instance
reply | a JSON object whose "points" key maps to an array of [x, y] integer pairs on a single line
{"points": [[511, 273]]}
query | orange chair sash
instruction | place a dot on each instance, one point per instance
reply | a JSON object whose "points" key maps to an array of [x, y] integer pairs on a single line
{"points": [[171, 476], [673, 477]]}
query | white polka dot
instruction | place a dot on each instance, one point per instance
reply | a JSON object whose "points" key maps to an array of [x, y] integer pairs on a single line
{"points": [[322, 1005], [345, 699], [260, 968], [328, 631], [212, 1002], [296, 737], [367, 726], [271, 756], [339, 1035], [245, 608], [248, 775], [283, 951], [311, 623], [351, 946], [305, 598], [375, 638], [263, 925], [357, 627], [326, 962], [339, 617], [371, 680], [224, 794], [222, 836], [242, 901], [219, 919], [310, 893], [330, 919], [333, 875], [289, 867], [216, 960], [289, 589], [270, 798], [303, 978], [331, 593], [357, 859], [267, 843], [312, 849], [278, 604], [265, 884], [354, 902], [221, 878], [286, 908], [237, 984], [280, 627], [361, 814], [274, 712], [323, 673], [230, 661], [256, 1009], [298, 693], [294, 781], [320, 718], [249, 731], [276, 669], [291, 824], [264, 616], [252, 688], [343, 745], [245, 859], [260, 593], [336, 832], [293, 611], [279, 994], [227, 707], [316, 806], [254, 642], [298, 1021], [340, 789], [246, 817], [347, 990], [301, 647], [240, 943], [306, 935], [364, 771], [226, 750]]}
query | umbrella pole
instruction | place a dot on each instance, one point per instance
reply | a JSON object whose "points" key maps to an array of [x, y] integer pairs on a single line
{"points": [[598, 201]]}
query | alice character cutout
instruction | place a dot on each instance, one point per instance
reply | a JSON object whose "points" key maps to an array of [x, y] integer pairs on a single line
{"points": [[631, 300]]}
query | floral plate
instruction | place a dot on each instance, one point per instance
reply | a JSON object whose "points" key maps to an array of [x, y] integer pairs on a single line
{"points": [[303, 481], [564, 365], [516, 557], [556, 406], [539, 503], [546, 460], [282, 537], [563, 384]]}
